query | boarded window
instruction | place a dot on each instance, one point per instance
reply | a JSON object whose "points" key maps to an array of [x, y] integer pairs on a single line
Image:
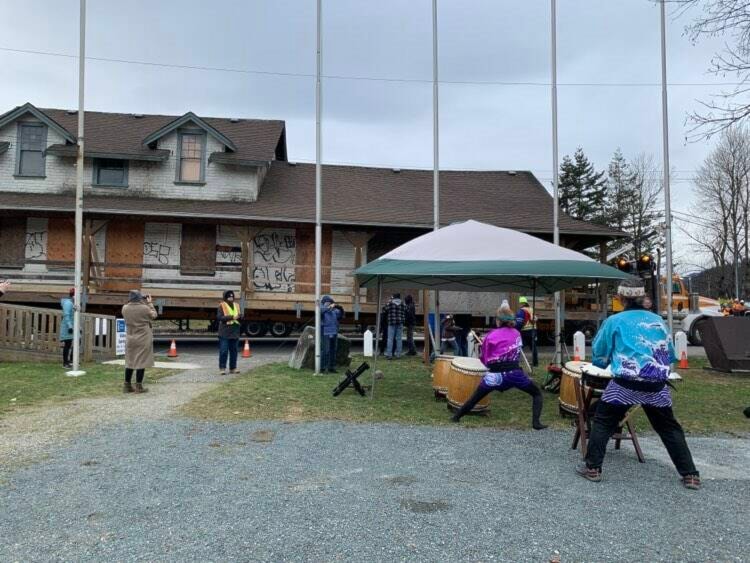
{"points": [[198, 250], [30, 157], [13, 237]]}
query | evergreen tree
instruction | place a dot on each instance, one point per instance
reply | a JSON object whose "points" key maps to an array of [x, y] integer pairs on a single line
{"points": [[620, 185], [582, 189]]}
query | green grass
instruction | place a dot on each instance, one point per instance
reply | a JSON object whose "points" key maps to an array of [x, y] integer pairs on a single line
{"points": [[706, 402], [28, 384]]}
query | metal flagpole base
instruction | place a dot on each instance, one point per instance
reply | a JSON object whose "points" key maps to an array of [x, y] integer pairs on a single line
{"points": [[75, 373]]}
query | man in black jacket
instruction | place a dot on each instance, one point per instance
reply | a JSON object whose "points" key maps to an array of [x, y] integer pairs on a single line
{"points": [[410, 321]]}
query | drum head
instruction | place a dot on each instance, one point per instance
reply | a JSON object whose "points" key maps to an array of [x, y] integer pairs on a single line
{"points": [[444, 357], [468, 364]]}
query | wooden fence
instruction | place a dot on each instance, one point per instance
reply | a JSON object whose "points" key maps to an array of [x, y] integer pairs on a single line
{"points": [[32, 334]]}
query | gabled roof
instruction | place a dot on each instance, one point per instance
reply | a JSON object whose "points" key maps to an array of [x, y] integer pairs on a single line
{"points": [[121, 135], [20, 111], [189, 117]]}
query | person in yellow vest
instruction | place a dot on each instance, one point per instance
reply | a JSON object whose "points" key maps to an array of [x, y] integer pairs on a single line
{"points": [[525, 322], [228, 316]]}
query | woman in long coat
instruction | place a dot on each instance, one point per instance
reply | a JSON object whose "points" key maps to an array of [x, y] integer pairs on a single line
{"points": [[138, 313]]}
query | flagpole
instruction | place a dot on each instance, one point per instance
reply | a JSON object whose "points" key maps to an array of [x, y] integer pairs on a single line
{"points": [[318, 186], [435, 159], [555, 172], [76, 371], [665, 141]]}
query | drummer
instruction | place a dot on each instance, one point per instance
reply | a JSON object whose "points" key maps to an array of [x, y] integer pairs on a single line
{"points": [[637, 345], [501, 352]]}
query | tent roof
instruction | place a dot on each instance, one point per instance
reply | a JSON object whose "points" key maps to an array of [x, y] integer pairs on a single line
{"points": [[474, 256]]}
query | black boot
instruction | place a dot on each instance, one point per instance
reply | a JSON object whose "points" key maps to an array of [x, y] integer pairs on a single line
{"points": [[537, 402]]}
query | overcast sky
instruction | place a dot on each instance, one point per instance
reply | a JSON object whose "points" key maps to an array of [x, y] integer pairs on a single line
{"points": [[377, 122]]}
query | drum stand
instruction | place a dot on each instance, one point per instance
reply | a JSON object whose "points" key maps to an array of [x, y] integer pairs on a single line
{"points": [[584, 397]]}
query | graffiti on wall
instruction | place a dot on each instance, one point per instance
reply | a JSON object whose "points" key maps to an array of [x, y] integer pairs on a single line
{"points": [[36, 245], [274, 255], [156, 251]]}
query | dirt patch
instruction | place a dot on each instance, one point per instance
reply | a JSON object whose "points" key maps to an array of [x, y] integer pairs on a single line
{"points": [[263, 436], [400, 480]]}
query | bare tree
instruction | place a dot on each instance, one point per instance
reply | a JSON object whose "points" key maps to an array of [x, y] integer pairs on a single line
{"points": [[721, 210], [642, 211], [729, 19]]}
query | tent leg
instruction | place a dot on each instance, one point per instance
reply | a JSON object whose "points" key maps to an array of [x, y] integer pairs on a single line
{"points": [[376, 352], [436, 331], [534, 350]]}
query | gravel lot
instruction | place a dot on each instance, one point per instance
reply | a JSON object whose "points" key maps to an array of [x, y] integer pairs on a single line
{"points": [[178, 490]]}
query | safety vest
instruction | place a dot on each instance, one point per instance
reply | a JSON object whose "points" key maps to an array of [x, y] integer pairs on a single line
{"points": [[529, 322], [230, 311]]}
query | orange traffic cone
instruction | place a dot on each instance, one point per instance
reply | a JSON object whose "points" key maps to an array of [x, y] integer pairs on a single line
{"points": [[683, 361], [246, 353], [172, 350]]}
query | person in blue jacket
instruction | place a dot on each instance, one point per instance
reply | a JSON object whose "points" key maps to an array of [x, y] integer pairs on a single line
{"points": [[330, 316], [66, 328], [638, 348]]}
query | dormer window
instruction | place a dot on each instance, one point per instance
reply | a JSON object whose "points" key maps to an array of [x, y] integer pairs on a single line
{"points": [[32, 138], [191, 155]]}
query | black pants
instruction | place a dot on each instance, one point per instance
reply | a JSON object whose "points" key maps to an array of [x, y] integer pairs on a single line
{"points": [[139, 373], [608, 418], [483, 390], [67, 352]]}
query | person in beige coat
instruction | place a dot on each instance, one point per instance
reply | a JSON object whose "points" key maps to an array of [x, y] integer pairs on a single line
{"points": [[138, 313]]}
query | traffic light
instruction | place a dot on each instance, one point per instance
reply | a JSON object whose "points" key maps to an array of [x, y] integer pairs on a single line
{"points": [[646, 263], [624, 264]]}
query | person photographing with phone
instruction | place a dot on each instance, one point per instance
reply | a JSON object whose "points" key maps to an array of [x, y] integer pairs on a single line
{"points": [[330, 316], [138, 313], [228, 316]]}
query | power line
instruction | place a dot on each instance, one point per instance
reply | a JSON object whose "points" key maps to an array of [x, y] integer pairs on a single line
{"points": [[366, 78]]}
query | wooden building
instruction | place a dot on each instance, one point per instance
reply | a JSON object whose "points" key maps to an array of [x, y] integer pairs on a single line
{"points": [[186, 207]]}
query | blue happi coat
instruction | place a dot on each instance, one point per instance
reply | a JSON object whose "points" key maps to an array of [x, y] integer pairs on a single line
{"points": [[637, 346]]}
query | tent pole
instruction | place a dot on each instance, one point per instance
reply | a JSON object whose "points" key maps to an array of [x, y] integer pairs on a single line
{"points": [[435, 156], [534, 350], [376, 352]]}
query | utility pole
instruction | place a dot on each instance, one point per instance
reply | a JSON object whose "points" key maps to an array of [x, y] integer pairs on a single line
{"points": [[76, 371], [435, 160], [665, 140], [555, 173], [318, 186]]}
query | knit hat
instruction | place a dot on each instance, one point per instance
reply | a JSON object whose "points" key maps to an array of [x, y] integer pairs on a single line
{"points": [[631, 288], [135, 295], [505, 313], [523, 301], [227, 293]]}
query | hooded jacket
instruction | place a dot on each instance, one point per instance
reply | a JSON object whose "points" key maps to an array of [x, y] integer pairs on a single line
{"points": [[330, 316], [396, 312]]}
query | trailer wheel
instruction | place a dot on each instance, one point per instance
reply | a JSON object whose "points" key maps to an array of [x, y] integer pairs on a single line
{"points": [[695, 337], [280, 329], [255, 329]]}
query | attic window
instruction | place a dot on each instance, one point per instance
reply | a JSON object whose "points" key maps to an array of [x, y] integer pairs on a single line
{"points": [[191, 157], [32, 139]]}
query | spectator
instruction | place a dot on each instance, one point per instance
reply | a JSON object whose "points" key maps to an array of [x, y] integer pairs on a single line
{"points": [[331, 314], [410, 321], [228, 316], [66, 328], [4, 287], [138, 313], [396, 314], [448, 330]]}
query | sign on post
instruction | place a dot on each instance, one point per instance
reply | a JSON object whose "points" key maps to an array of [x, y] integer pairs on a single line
{"points": [[120, 334]]}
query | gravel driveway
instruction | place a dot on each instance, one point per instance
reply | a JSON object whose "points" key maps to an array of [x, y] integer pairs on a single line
{"points": [[178, 490]]}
